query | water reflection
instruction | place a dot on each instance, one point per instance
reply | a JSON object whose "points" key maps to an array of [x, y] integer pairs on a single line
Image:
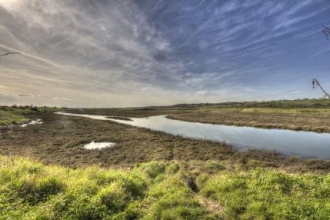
{"points": [[300, 143]]}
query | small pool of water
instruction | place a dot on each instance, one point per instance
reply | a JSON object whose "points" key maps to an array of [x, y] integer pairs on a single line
{"points": [[299, 143], [98, 145], [33, 122]]}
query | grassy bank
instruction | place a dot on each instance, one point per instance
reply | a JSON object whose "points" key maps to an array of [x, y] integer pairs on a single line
{"points": [[9, 116], [159, 190], [314, 119], [18, 115]]}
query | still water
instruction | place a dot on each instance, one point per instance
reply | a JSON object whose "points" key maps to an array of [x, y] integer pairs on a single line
{"points": [[34, 122], [98, 145], [299, 143]]}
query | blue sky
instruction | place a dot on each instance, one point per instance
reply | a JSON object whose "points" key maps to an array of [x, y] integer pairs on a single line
{"points": [[135, 53]]}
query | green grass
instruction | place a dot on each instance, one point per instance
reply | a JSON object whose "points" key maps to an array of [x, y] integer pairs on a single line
{"points": [[30, 190], [298, 103], [11, 117], [268, 194], [158, 190], [287, 110], [16, 115]]}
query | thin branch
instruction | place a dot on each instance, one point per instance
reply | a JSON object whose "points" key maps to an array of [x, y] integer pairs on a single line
{"points": [[316, 83], [326, 32], [9, 53]]}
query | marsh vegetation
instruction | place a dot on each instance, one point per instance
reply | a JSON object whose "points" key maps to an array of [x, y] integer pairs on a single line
{"points": [[47, 174]]}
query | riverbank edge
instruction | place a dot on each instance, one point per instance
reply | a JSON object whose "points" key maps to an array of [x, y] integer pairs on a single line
{"points": [[246, 124]]}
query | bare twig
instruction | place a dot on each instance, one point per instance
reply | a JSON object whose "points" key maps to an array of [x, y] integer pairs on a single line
{"points": [[326, 32], [316, 83], [9, 53]]}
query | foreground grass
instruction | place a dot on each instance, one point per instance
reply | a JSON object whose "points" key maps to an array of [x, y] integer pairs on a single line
{"points": [[267, 194], [159, 190], [30, 190]]}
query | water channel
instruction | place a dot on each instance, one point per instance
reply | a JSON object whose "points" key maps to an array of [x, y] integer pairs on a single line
{"points": [[299, 143]]}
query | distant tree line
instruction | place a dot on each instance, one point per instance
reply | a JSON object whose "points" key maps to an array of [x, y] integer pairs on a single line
{"points": [[30, 107]]}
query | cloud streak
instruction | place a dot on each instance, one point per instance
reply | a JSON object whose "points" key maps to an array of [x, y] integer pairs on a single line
{"points": [[135, 53]]}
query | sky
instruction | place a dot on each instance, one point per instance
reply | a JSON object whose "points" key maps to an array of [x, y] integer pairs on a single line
{"points": [[119, 53]]}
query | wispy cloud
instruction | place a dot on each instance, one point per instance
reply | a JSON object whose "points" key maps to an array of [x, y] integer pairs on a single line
{"points": [[100, 53]]}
